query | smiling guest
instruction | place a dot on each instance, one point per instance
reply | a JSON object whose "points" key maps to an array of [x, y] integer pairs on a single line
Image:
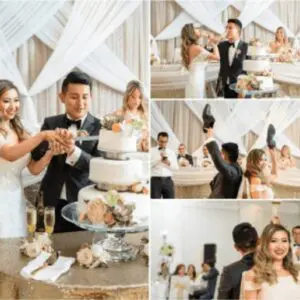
{"points": [[68, 170], [273, 276]]}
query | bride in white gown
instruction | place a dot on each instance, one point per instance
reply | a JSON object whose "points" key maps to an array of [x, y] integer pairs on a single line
{"points": [[15, 148], [195, 59], [273, 277]]}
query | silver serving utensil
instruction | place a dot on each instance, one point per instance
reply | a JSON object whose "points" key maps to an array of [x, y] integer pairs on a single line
{"points": [[87, 138], [49, 262]]}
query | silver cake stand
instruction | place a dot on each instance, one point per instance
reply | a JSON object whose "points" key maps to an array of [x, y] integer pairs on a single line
{"points": [[114, 243], [256, 93]]}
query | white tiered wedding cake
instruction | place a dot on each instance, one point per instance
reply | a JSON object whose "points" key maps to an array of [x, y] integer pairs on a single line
{"points": [[104, 203], [258, 67]]}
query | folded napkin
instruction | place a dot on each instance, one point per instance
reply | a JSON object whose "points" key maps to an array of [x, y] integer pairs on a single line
{"points": [[50, 273]]}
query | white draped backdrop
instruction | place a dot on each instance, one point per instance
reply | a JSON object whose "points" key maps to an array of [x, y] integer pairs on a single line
{"points": [[189, 227], [244, 122], [41, 41], [260, 19]]}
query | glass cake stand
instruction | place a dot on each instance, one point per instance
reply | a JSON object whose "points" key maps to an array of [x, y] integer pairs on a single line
{"points": [[115, 243], [255, 93]]}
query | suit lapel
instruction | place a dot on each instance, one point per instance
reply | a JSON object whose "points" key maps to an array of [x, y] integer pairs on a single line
{"points": [[238, 49], [87, 126]]}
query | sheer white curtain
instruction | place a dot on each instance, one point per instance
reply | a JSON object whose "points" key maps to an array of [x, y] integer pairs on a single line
{"points": [[34, 54], [158, 124], [89, 24]]}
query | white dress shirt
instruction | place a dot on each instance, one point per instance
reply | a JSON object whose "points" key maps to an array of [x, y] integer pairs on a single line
{"points": [[160, 169], [232, 51], [73, 158]]}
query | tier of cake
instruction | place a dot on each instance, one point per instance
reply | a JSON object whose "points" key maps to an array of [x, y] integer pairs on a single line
{"points": [[116, 172], [265, 82], [90, 193], [110, 141], [257, 51], [256, 66]]}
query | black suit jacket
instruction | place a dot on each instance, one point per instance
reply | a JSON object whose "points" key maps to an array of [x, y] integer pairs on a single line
{"points": [[230, 284], [59, 172], [236, 68], [188, 157], [211, 279], [227, 182]]}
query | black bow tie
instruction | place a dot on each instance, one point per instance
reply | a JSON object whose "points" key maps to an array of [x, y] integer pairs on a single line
{"points": [[72, 122], [231, 44]]}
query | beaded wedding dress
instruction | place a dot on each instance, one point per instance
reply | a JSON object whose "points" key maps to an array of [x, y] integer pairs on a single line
{"points": [[12, 200]]}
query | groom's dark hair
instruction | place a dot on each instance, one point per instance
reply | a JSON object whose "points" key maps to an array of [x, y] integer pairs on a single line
{"points": [[237, 22], [245, 236], [76, 77]]}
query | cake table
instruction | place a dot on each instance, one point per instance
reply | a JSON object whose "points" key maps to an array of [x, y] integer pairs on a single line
{"points": [[119, 281]]}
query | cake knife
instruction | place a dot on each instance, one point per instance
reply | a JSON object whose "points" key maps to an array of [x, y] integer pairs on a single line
{"points": [[87, 138]]}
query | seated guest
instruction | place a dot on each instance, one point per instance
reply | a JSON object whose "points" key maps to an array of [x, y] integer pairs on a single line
{"points": [[273, 276], [206, 159], [180, 284], [199, 284], [281, 41], [210, 277], [257, 173], [245, 239], [286, 161], [184, 159], [191, 272], [296, 246]]}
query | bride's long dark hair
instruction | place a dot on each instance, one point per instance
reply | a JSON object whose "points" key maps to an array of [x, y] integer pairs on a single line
{"points": [[188, 38], [16, 124]]}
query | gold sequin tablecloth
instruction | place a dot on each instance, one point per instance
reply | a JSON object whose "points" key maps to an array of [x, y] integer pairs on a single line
{"points": [[121, 281]]}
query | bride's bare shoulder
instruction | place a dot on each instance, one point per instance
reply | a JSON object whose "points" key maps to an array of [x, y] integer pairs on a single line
{"points": [[249, 275]]}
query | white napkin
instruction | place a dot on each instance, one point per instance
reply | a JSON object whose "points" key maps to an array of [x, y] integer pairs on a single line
{"points": [[51, 273]]}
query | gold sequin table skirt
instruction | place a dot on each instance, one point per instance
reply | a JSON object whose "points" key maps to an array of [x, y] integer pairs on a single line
{"points": [[121, 281]]}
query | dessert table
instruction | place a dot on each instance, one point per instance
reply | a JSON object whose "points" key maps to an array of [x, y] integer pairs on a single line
{"points": [[192, 182], [119, 281], [169, 80]]}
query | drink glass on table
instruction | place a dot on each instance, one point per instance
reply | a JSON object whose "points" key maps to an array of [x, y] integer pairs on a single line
{"points": [[49, 219], [31, 219]]}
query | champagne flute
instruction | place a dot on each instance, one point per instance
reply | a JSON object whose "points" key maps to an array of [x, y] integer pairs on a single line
{"points": [[31, 217], [49, 219]]}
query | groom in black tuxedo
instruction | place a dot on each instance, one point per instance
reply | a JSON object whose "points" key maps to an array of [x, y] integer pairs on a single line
{"points": [[68, 170], [245, 238], [232, 54]]}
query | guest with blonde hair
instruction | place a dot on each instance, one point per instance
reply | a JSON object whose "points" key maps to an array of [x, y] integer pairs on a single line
{"points": [[274, 275], [286, 160], [281, 41]]}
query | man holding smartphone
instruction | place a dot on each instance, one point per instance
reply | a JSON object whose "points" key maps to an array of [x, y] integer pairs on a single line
{"points": [[163, 161]]}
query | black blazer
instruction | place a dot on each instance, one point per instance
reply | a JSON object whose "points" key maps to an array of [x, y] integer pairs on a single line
{"points": [[227, 182], [231, 278], [58, 172], [236, 67], [188, 157], [211, 279]]}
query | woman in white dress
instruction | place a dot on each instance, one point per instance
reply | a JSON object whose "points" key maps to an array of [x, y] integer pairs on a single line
{"points": [[259, 177], [134, 107], [281, 42], [273, 277], [194, 59], [15, 147], [180, 284]]}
